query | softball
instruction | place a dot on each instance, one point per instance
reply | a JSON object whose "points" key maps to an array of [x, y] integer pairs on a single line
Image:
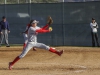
{"points": [[50, 28]]}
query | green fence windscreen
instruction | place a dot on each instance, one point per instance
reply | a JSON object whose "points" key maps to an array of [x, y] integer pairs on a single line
{"points": [[70, 27]]}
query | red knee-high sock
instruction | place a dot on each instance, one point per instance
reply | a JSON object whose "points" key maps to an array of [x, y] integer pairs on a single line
{"points": [[15, 60], [53, 50], [24, 45]]}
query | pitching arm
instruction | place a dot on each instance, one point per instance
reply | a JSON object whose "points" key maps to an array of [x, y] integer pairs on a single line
{"points": [[46, 26], [42, 30]]}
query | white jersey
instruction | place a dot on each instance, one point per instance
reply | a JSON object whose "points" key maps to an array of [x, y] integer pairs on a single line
{"points": [[94, 27], [32, 35]]}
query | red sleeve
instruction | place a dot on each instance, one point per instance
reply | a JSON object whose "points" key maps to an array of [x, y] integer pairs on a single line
{"points": [[42, 31], [46, 26]]}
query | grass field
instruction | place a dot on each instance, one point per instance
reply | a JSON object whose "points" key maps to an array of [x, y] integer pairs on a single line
{"points": [[74, 61]]}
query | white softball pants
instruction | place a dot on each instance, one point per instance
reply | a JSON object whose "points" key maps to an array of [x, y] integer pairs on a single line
{"points": [[31, 45]]}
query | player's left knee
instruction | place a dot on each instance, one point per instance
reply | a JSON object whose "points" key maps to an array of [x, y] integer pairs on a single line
{"points": [[22, 55], [47, 48]]}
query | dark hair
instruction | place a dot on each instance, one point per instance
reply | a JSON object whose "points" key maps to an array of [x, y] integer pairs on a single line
{"points": [[3, 17], [93, 19], [31, 21]]}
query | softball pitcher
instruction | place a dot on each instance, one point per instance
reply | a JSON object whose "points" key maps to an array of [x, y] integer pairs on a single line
{"points": [[25, 34], [32, 42]]}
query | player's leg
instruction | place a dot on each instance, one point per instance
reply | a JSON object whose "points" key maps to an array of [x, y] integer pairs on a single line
{"points": [[1, 37], [26, 40], [43, 46], [6, 38], [96, 36], [24, 52], [93, 39]]}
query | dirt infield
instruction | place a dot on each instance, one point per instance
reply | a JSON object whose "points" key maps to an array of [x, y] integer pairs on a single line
{"points": [[74, 61]]}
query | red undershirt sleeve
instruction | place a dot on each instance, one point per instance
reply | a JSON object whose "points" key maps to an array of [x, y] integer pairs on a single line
{"points": [[46, 26], [42, 30]]}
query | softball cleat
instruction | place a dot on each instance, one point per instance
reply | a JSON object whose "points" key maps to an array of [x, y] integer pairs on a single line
{"points": [[10, 66]]}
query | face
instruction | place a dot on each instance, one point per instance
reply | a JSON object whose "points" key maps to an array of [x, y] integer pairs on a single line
{"points": [[93, 21], [4, 19], [34, 24]]}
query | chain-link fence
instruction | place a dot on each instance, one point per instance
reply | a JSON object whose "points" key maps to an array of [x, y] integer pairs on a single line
{"points": [[70, 27]]}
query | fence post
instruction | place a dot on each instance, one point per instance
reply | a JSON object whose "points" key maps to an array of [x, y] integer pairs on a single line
{"points": [[63, 29], [5, 7], [30, 1], [30, 9], [5, 1], [18, 1]]}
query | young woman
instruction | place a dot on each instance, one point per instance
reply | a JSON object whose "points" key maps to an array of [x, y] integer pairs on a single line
{"points": [[32, 42]]}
